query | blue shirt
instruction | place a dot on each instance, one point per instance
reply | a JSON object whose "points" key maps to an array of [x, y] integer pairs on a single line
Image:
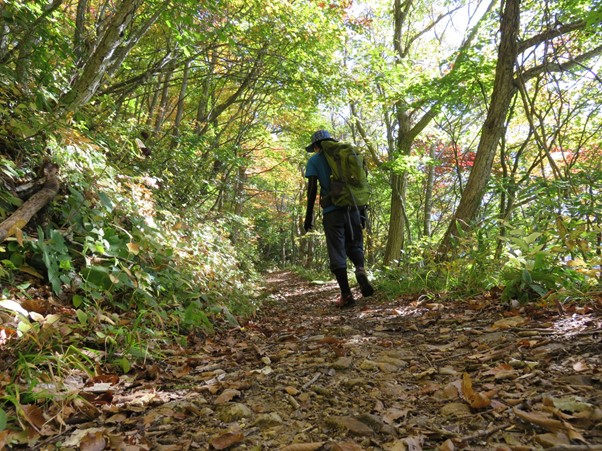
{"points": [[317, 166]]}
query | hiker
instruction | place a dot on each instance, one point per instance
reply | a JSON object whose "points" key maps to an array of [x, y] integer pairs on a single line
{"points": [[343, 225]]}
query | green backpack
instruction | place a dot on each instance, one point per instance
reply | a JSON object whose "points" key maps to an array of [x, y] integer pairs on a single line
{"points": [[349, 182]]}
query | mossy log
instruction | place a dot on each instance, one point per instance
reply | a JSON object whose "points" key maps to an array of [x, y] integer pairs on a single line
{"points": [[35, 203]]}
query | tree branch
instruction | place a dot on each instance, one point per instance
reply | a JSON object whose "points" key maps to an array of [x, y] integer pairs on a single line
{"points": [[550, 34], [561, 67]]}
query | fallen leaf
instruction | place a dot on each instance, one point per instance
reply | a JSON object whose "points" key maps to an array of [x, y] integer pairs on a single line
{"points": [[540, 420], [393, 414], [93, 441], [78, 435], [3, 438], [34, 416], [227, 439], [474, 399], [447, 445], [6, 333], [227, 396], [350, 424], [413, 443], [548, 439], [500, 372], [303, 446], [36, 317], [574, 435], [347, 446], [182, 371], [507, 323], [13, 306]]}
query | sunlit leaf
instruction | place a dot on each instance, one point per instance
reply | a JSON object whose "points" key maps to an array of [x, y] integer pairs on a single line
{"points": [[134, 248], [474, 399]]}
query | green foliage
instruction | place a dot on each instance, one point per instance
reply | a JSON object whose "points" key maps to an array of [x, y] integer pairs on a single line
{"points": [[56, 258], [3, 419]]}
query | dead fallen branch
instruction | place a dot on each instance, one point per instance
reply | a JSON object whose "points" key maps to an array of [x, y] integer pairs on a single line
{"points": [[35, 203]]}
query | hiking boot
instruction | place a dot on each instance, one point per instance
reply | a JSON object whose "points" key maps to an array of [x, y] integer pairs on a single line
{"points": [[362, 280], [345, 301]]}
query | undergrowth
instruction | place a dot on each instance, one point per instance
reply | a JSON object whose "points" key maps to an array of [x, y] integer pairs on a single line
{"points": [[104, 280]]}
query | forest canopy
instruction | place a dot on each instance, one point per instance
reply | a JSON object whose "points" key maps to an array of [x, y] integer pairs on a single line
{"points": [[480, 122]]}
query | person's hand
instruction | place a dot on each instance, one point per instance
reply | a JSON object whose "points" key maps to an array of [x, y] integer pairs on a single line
{"points": [[308, 224], [363, 217]]}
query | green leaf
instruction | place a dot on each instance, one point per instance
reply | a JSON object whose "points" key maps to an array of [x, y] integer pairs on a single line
{"points": [[3, 419], [538, 289], [97, 276], [77, 300], [23, 326], [124, 364], [82, 317], [105, 201], [531, 238]]}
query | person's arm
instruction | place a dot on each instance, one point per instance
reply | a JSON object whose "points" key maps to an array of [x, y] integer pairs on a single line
{"points": [[312, 193]]}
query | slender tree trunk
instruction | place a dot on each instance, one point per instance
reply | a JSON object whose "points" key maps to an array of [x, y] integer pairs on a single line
{"points": [[239, 188], [4, 35], [164, 102], [206, 96], [398, 220], [493, 128], [154, 98], [428, 192], [181, 98], [80, 36]]}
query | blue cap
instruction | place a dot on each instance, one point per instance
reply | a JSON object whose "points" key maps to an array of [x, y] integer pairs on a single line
{"points": [[318, 136]]}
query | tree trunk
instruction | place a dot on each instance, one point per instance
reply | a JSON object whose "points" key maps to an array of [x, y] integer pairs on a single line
{"points": [[152, 103], [493, 128], [398, 219], [162, 113], [395, 237], [15, 222], [97, 64], [428, 192], [123, 50], [80, 36], [181, 98]]}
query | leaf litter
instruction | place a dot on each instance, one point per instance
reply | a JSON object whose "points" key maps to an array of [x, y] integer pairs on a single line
{"points": [[390, 374]]}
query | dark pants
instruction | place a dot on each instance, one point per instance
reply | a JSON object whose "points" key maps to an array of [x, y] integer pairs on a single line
{"points": [[344, 238]]}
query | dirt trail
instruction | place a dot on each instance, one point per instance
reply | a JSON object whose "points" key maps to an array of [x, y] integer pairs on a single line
{"points": [[386, 375]]}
